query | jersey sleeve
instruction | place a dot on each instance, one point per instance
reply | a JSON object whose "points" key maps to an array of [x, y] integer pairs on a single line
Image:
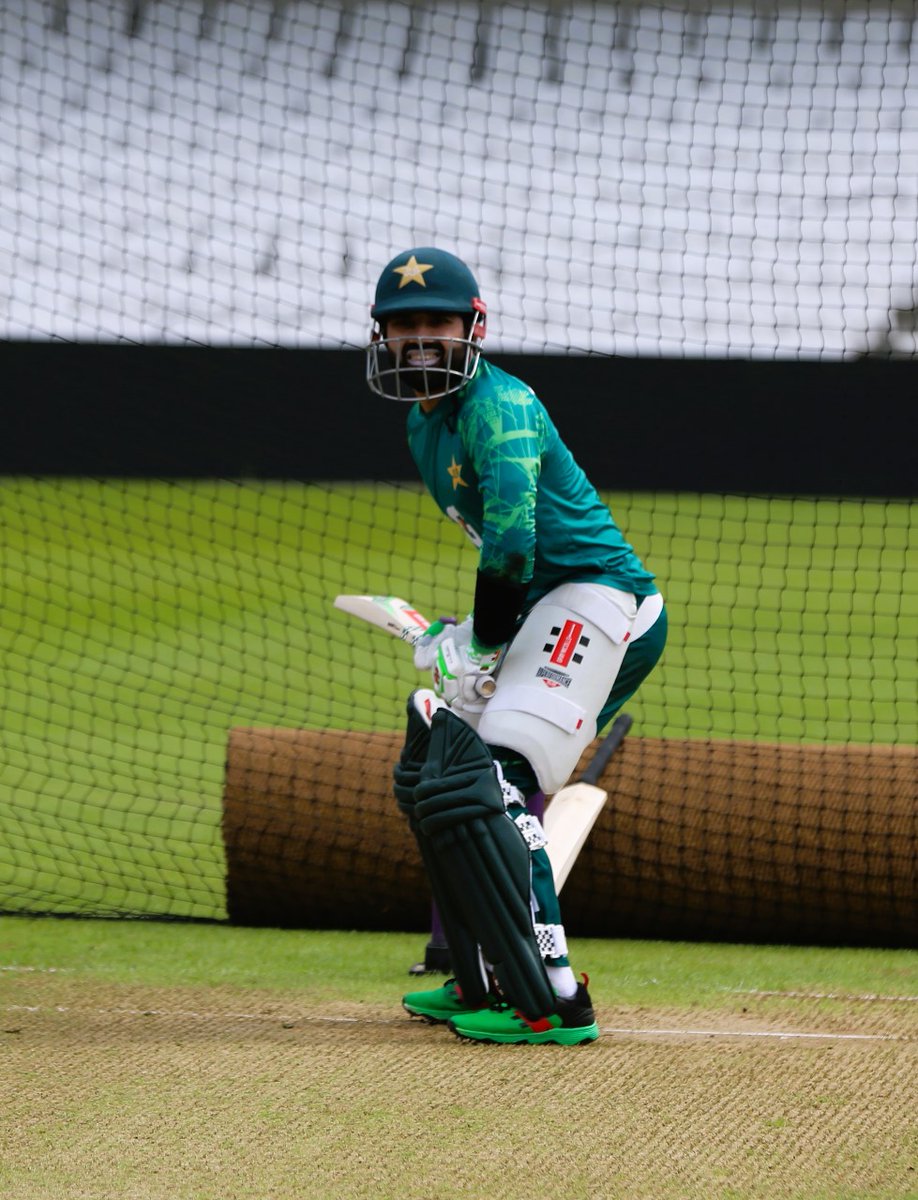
{"points": [[504, 436]]}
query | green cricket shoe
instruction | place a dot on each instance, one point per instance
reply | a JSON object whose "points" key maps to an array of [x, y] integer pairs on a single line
{"points": [[438, 1005], [572, 1022]]}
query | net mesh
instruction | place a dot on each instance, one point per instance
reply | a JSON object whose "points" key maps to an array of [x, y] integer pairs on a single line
{"points": [[146, 620], [670, 178], [630, 179]]}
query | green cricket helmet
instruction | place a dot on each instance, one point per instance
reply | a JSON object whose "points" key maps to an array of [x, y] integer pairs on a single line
{"points": [[406, 368]]}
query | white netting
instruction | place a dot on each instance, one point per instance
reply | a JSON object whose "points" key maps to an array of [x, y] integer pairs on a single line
{"points": [[636, 179]]}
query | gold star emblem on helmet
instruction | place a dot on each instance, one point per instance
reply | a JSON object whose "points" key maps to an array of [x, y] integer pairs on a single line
{"points": [[412, 272]]}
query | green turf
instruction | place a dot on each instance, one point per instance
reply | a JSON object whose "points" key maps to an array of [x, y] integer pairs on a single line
{"points": [[143, 620], [372, 967]]}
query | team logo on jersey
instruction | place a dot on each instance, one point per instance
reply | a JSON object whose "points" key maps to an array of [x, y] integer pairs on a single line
{"points": [[455, 474], [566, 649], [412, 272]]}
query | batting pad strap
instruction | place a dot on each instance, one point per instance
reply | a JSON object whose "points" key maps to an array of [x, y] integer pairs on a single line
{"points": [[609, 609], [647, 615], [538, 703], [531, 829], [551, 940], [511, 793]]}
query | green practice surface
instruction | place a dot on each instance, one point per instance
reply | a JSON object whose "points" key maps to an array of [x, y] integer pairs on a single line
{"points": [[320, 964], [143, 620]]}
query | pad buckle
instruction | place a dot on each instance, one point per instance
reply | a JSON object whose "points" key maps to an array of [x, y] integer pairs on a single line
{"points": [[551, 940], [531, 829], [510, 793]]}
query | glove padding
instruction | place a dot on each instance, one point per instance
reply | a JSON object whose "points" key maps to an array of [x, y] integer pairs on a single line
{"points": [[462, 672], [428, 644]]}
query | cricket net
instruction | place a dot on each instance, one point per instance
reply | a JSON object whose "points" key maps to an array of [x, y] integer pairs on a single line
{"points": [[180, 697], [671, 178], [675, 177]]}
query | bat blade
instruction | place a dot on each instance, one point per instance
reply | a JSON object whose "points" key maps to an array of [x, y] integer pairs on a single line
{"points": [[568, 821], [391, 613], [573, 811]]}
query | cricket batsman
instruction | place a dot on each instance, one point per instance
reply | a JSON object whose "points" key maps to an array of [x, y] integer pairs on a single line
{"points": [[565, 625]]}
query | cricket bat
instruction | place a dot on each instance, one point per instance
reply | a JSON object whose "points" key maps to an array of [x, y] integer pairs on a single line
{"points": [[396, 616], [386, 612], [572, 813]]}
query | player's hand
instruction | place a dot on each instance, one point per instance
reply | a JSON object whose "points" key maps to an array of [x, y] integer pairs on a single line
{"points": [[428, 645], [463, 675]]}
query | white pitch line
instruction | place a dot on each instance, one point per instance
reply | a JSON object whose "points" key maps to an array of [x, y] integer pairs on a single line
{"points": [[278, 1018], [776, 1034], [290, 1020], [865, 997], [39, 970]]}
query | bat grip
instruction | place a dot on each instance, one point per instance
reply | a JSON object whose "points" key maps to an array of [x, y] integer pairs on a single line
{"points": [[486, 687]]}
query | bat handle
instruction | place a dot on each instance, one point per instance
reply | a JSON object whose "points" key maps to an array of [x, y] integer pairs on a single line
{"points": [[486, 687], [607, 748]]}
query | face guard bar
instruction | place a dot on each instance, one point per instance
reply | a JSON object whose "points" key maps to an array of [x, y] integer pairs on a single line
{"points": [[391, 376]]}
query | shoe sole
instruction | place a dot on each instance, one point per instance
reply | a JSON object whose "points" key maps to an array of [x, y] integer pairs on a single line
{"points": [[558, 1037], [430, 1018], [425, 1016]]}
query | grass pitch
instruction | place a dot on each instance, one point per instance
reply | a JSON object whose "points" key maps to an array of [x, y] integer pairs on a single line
{"points": [[142, 620], [146, 1061]]}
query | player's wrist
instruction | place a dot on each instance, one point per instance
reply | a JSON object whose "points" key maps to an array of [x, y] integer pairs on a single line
{"points": [[435, 628], [481, 649], [498, 603]]}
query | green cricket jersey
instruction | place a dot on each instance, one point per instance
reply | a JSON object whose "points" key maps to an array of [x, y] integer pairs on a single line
{"points": [[494, 462]]}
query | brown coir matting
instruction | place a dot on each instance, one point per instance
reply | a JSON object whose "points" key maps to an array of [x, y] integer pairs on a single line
{"points": [[714, 840]]}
